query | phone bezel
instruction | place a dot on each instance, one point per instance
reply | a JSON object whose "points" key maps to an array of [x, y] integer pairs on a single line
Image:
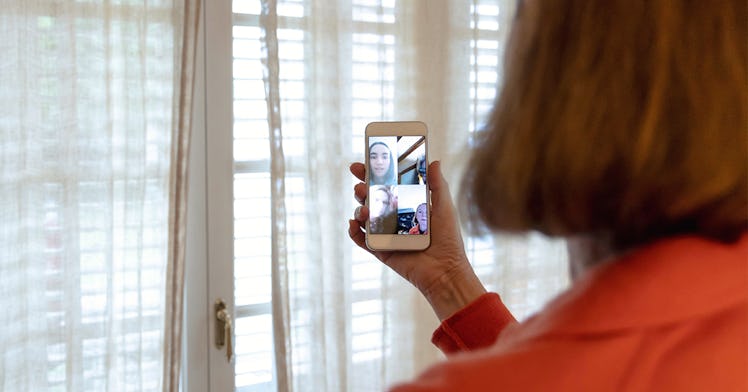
{"points": [[397, 241]]}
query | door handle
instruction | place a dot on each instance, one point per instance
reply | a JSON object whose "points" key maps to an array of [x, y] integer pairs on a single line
{"points": [[223, 328]]}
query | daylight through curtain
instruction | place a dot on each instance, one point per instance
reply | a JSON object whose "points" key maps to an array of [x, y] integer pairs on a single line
{"points": [[92, 110]]}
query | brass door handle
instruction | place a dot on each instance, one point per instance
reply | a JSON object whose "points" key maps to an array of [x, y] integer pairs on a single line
{"points": [[223, 328]]}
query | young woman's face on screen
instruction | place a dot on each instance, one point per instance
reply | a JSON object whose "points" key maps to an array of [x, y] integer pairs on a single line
{"points": [[380, 203], [379, 160], [422, 217]]}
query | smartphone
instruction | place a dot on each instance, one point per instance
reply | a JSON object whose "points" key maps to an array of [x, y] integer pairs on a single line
{"points": [[398, 195]]}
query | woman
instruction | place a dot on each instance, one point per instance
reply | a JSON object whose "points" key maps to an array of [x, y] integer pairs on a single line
{"points": [[621, 127], [381, 165], [420, 220], [383, 210]]}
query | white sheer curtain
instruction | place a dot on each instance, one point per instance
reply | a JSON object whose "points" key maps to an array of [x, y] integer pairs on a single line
{"points": [[342, 321], [92, 143]]}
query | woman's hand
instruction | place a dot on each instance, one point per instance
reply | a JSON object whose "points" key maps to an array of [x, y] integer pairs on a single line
{"points": [[442, 272]]}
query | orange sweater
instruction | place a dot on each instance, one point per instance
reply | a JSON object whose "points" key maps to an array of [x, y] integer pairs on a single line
{"points": [[672, 316]]}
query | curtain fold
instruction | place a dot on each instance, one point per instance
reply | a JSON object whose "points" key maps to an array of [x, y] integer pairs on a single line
{"points": [[186, 16], [279, 267], [94, 118]]}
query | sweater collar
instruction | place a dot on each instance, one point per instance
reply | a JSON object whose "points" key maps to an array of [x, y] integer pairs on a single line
{"points": [[666, 282]]}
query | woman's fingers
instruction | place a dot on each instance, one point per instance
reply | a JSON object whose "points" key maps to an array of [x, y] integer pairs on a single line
{"points": [[359, 192], [358, 169], [356, 233], [361, 214]]}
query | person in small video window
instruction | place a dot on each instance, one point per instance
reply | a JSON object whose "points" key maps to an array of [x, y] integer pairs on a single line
{"points": [[420, 220], [421, 166], [381, 164], [382, 210]]}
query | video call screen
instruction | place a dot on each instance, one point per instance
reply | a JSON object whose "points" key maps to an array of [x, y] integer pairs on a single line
{"points": [[398, 185]]}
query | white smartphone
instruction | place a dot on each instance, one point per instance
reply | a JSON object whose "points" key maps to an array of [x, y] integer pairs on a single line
{"points": [[398, 195]]}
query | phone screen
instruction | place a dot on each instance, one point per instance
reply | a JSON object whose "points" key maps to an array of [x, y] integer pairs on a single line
{"points": [[398, 193]]}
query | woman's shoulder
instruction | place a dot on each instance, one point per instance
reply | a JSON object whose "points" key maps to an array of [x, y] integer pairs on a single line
{"points": [[677, 357], [544, 364]]}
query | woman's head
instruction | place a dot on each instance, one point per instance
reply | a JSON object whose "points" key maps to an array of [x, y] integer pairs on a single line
{"points": [[621, 119], [421, 217], [382, 201], [381, 164]]}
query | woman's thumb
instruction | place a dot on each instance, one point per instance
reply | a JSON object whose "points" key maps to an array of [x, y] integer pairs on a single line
{"points": [[438, 185]]}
